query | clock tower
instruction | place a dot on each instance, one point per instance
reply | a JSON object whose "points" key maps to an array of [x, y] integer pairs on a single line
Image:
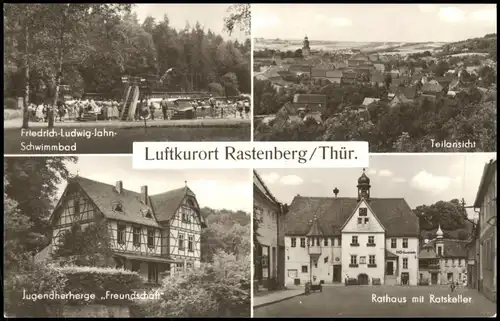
{"points": [[306, 50], [363, 187]]}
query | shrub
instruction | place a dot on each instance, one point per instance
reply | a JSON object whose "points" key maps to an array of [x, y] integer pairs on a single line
{"points": [[38, 281], [221, 288], [12, 114], [93, 280]]}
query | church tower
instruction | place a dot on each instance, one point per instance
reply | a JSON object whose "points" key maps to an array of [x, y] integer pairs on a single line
{"points": [[363, 187], [306, 50]]}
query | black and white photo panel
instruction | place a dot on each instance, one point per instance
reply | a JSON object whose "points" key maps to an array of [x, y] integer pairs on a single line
{"points": [[404, 77], [94, 78], [411, 236], [89, 236]]}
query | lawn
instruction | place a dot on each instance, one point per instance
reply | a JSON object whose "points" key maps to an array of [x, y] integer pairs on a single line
{"points": [[353, 301], [122, 141]]}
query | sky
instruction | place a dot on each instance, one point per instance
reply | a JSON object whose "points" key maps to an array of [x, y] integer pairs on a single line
{"points": [[211, 16], [420, 179], [218, 189], [374, 22]]}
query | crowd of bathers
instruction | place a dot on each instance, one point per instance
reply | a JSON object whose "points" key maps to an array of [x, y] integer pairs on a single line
{"points": [[78, 109]]}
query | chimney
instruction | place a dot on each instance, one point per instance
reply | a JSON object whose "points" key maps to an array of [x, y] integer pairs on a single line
{"points": [[119, 187], [144, 194], [336, 191]]}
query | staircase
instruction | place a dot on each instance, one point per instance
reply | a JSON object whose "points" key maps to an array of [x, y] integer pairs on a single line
{"points": [[128, 103]]}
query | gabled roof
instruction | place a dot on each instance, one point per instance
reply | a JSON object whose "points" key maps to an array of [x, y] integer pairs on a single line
{"points": [[489, 172], [315, 229], [368, 100], [451, 248], [427, 252], [394, 213], [104, 196], [309, 99], [166, 204], [432, 86], [390, 255], [408, 92], [261, 186]]}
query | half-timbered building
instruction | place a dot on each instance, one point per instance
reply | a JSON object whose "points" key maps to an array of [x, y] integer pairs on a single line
{"points": [[152, 235]]}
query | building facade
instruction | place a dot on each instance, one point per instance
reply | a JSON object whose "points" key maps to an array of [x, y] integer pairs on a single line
{"points": [[269, 253], [373, 240], [443, 261], [152, 235], [486, 202]]}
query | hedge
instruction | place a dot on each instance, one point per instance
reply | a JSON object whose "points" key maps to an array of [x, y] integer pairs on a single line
{"points": [[104, 283]]}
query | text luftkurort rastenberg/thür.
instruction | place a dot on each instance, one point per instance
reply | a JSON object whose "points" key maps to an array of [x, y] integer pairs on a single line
{"points": [[429, 298], [232, 153]]}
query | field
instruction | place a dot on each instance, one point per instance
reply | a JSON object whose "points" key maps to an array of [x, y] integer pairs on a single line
{"points": [[395, 47]]}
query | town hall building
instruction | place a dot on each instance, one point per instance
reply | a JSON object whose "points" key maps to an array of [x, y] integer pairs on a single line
{"points": [[372, 240], [153, 235]]}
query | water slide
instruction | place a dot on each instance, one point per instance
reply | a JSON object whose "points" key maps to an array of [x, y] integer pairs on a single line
{"points": [[133, 104], [124, 107]]}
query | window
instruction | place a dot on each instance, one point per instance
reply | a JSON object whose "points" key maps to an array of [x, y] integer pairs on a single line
{"points": [[360, 220], [362, 260], [294, 242], [77, 207], [181, 242], [371, 239], [339, 241], [304, 268], [136, 266], [179, 265], [371, 260], [119, 207], [293, 273], [120, 236], [185, 215], [325, 241], [325, 260], [190, 243], [354, 260], [363, 212], [405, 263], [151, 238], [302, 242], [148, 214], [405, 243], [189, 265], [354, 240], [366, 220], [394, 243], [440, 251], [137, 236], [317, 242]]}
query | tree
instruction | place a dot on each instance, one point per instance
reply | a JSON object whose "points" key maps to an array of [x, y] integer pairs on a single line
{"points": [[32, 183], [450, 215], [230, 82], [86, 246], [240, 15]]}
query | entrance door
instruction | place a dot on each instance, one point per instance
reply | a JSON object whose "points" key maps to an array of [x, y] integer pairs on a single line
{"points": [[405, 278], [337, 273], [434, 278], [152, 273], [363, 279], [390, 268]]}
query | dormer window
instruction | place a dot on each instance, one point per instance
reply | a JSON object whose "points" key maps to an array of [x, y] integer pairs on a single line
{"points": [[148, 214], [118, 207]]}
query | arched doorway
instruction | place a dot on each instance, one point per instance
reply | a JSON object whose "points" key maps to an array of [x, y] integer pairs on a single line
{"points": [[362, 279]]}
